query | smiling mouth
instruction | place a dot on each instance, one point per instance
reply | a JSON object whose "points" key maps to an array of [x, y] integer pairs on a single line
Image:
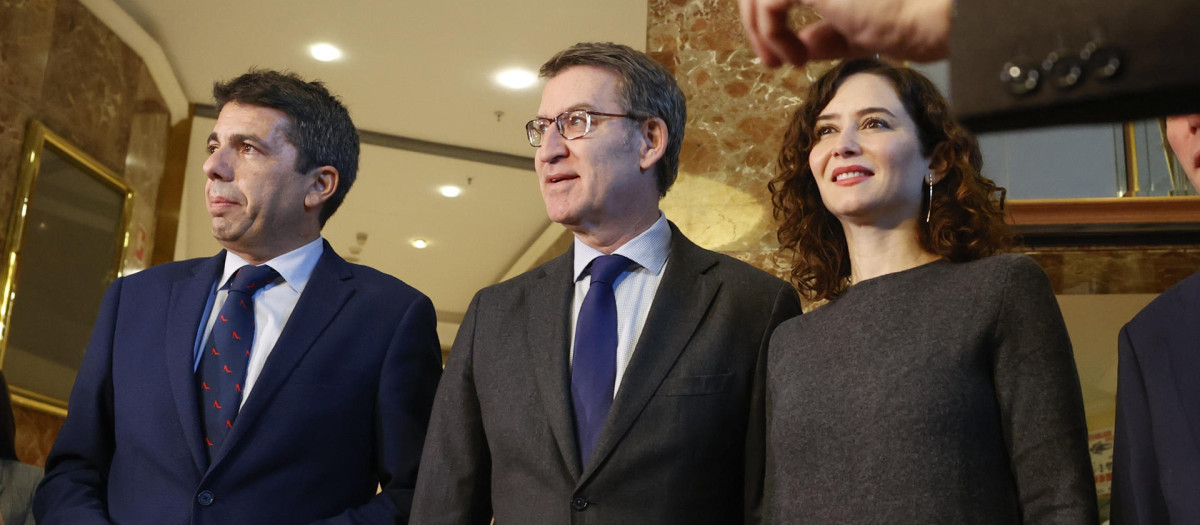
{"points": [[851, 175]]}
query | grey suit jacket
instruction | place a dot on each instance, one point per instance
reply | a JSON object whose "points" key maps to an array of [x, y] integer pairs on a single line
{"points": [[17, 481], [675, 446], [1156, 43]]}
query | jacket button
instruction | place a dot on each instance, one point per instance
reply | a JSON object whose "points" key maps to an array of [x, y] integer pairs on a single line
{"points": [[205, 498], [579, 504], [1106, 61], [1020, 77], [1064, 69]]}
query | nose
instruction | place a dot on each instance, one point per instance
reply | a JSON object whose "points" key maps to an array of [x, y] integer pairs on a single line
{"points": [[846, 144], [216, 167], [553, 147]]}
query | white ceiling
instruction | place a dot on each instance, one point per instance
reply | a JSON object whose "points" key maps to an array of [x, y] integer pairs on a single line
{"points": [[415, 70], [421, 70]]}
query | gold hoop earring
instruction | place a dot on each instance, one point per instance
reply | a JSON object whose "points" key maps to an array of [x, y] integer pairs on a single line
{"points": [[929, 210]]}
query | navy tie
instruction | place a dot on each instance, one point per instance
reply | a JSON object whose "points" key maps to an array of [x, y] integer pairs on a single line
{"points": [[594, 369], [226, 354]]}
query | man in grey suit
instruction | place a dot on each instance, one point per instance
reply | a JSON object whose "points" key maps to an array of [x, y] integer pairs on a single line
{"points": [[573, 396]]}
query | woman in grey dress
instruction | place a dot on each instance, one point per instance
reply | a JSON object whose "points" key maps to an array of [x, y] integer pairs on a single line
{"points": [[938, 384]]}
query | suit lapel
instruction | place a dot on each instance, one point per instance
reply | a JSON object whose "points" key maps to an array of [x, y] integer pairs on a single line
{"points": [[324, 296], [549, 319], [684, 294], [185, 311]]}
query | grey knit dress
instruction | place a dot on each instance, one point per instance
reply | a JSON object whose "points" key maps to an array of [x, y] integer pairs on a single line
{"points": [[946, 393]]}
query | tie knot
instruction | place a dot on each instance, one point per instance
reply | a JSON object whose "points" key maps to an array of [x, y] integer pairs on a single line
{"points": [[250, 279], [606, 268]]}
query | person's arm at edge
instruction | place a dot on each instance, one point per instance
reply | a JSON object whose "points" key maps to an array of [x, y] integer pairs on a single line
{"points": [[1041, 403], [787, 306], [1137, 495], [75, 488]]}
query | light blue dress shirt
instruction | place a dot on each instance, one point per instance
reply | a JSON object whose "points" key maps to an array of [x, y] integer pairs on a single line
{"points": [[273, 304], [634, 289]]}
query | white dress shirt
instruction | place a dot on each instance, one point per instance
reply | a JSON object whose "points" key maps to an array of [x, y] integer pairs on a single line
{"points": [[634, 289], [273, 303]]}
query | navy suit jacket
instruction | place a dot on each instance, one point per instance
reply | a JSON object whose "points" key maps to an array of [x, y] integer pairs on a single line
{"points": [[342, 404], [1156, 460]]}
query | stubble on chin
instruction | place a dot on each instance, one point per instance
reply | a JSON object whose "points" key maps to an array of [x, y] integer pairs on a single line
{"points": [[222, 229]]}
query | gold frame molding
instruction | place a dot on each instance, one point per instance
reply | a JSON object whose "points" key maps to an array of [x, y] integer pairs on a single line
{"points": [[1112, 211], [37, 138]]}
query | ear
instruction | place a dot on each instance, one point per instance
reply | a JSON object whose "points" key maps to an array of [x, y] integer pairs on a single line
{"points": [[653, 145], [323, 187], [938, 162], [938, 175]]}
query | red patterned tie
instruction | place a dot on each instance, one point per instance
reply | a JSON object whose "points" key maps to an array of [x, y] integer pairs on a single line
{"points": [[226, 352]]}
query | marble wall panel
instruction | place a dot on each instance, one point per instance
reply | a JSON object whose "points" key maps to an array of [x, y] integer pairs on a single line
{"points": [[145, 160], [1125, 270], [91, 85], [737, 114], [27, 27], [35, 434], [62, 66]]}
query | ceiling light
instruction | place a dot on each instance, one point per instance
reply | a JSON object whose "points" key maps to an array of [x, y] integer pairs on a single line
{"points": [[419, 244], [516, 78], [450, 191], [325, 52]]}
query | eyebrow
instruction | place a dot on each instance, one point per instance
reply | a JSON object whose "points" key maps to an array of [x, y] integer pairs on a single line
{"points": [[582, 105], [860, 113], [239, 138]]}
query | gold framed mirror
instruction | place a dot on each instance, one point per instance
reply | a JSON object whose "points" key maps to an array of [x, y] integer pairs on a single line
{"points": [[67, 234]]}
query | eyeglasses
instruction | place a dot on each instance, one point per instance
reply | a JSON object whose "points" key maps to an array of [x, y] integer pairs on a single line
{"points": [[571, 125]]}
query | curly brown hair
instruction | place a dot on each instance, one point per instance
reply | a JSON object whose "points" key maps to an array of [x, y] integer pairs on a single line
{"points": [[967, 221]]}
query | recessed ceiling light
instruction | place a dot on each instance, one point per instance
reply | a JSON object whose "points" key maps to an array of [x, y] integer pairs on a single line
{"points": [[450, 191], [325, 52], [516, 78], [420, 244]]}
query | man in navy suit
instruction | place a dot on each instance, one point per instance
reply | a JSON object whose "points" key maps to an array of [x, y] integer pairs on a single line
{"points": [[1156, 462], [335, 390]]}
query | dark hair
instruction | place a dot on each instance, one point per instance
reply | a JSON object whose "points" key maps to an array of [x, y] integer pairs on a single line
{"points": [[967, 221], [8, 425], [646, 88], [320, 127]]}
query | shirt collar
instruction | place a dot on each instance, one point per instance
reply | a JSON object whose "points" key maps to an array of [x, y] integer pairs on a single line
{"points": [[648, 250], [295, 266]]}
